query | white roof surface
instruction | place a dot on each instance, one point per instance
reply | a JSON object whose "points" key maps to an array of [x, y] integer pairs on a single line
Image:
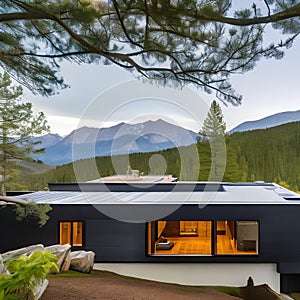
{"points": [[232, 194]]}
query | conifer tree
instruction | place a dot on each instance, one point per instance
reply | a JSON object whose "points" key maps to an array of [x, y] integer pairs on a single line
{"points": [[213, 129], [214, 125], [17, 125]]}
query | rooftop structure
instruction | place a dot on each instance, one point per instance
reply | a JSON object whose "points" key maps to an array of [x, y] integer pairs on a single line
{"points": [[169, 193], [135, 178]]}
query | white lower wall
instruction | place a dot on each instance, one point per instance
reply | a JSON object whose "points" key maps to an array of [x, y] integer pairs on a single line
{"points": [[198, 274]]}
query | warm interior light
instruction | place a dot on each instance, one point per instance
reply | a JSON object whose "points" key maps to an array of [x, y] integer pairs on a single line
{"points": [[71, 233], [77, 234], [65, 233], [196, 237]]}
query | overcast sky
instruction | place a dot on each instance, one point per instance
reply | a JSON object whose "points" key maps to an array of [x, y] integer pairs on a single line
{"points": [[101, 96]]}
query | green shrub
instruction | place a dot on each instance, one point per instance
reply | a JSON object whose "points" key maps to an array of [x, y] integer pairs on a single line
{"points": [[25, 271]]}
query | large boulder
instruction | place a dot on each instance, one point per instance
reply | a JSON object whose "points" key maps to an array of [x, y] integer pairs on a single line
{"points": [[82, 261], [35, 292], [40, 288], [22, 251], [63, 255], [3, 270], [67, 262]]}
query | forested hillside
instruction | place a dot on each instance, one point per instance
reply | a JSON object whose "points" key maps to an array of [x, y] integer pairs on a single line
{"points": [[181, 163], [272, 155]]}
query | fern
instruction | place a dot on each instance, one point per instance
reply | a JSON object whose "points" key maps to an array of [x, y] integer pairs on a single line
{"points": [[8, 297], [25, 272]]}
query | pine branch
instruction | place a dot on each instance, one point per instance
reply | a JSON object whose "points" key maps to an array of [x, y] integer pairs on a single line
{"points": [[169, 42], [23, 16], [289, 13]]}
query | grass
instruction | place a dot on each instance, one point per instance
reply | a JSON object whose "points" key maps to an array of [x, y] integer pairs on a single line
{"points": [[230, 290], [94, 273], [69, 274], [233, 291]]}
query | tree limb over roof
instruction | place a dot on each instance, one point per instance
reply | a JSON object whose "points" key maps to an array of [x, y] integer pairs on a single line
{"points": [[179, 42], [13, 200]]}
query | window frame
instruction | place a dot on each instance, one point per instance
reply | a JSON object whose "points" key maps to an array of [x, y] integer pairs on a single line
{"points": [[150, 246], [71, 237]]}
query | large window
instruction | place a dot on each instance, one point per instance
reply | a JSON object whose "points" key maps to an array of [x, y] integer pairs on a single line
{"points": [[203, 237], [70, 233]]}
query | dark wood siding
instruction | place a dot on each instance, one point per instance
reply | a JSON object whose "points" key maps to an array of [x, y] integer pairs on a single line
{"points": [[114, 240]]}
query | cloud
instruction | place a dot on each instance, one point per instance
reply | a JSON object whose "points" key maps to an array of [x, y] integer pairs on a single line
{"points": [[62, 125], [134, 102]]}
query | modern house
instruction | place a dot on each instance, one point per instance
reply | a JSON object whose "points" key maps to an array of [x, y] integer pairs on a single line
{"points": [[200, 232]]}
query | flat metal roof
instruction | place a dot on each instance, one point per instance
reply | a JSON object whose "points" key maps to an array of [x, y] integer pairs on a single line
{"points": [[226, 193]]}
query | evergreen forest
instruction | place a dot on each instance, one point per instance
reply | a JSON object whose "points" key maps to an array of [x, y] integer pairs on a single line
{"points": [[270, 155]]}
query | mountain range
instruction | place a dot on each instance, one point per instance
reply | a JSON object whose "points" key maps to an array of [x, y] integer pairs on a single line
{"points": [[270, 155], [122, 138], [267, 122], [126, 138]]}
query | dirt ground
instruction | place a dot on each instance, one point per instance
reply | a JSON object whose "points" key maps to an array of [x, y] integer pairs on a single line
{"points": [[124, 288]]}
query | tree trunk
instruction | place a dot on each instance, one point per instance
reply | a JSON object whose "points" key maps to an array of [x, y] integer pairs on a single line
{"points": [[4, 175], [15, 201], [2, 189]]}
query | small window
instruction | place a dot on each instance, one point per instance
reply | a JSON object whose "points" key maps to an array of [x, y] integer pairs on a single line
{"points": [[65, 233], [77, 234], [71, 233]]}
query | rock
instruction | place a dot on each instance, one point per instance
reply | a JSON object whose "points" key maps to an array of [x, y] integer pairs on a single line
{"points": [[262, 291], [82, 261], [67, 262], [62, 252], [33, 293], [22, 251], [3, 270], [39, 288]]}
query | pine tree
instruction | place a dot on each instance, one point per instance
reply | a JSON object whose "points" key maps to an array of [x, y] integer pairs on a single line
{"points": [[17, 125], [233, 172], [214, 124], [213, 129]]}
